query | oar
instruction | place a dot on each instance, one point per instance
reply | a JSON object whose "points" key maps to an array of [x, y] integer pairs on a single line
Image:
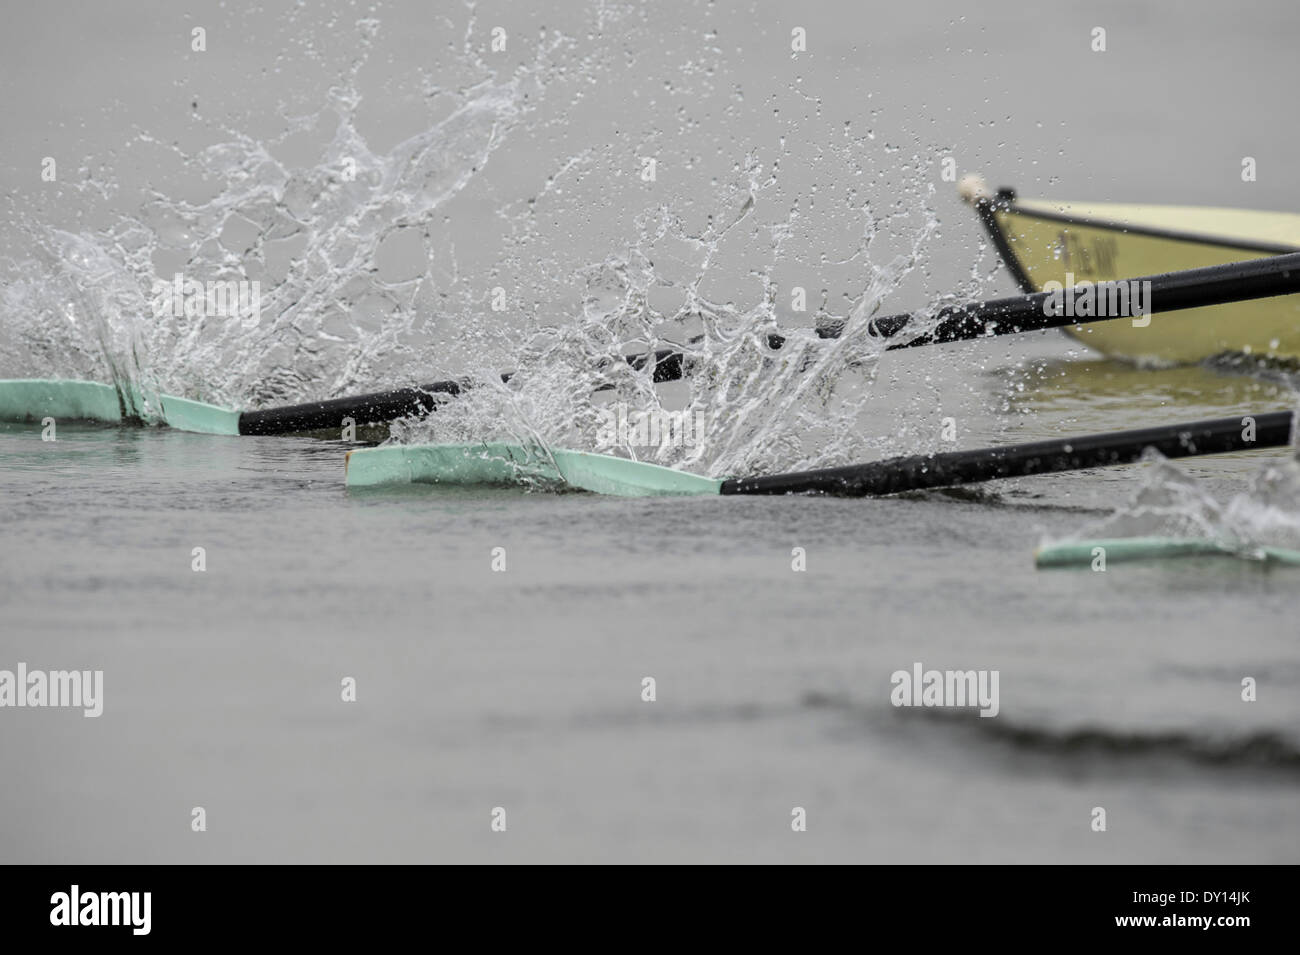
{"points": [[36, 399], [1173, 291], [950, 468], [1170, 292], [1084, 553], [605, 474], [401, 402], [39, 399]]}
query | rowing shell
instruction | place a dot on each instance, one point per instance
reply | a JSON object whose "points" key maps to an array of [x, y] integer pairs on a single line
{"points": [[1041, 241]]}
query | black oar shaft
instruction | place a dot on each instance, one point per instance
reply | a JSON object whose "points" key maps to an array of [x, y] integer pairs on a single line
{"points": [[1170, 292], [361, 409], [383, 406], [1265, 277], [1236, 282], [951, 468]]}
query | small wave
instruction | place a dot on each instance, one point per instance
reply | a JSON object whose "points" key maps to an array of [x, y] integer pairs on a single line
{"points": [[1097, 747], [1263, 749]]}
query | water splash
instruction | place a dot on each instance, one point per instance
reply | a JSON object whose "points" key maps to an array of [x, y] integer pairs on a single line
{"points": [[365, 282], [761, 408], [340, 309], [1172, 503]]}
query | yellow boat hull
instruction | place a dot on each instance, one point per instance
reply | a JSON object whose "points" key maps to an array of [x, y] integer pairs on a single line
{"points": [[1053, 241]]}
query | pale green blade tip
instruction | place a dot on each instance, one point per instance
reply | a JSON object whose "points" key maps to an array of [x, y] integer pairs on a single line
{"points": [[34, 399], [186, 415], [1129, 549], [458, 464], [605, 474], [510, 464]]}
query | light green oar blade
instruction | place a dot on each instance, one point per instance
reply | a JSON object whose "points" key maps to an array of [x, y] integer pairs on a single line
{"points": [[487, 464], [33, 399], [460, 464], [605, 474], [183, 414], [1128, 549]]}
